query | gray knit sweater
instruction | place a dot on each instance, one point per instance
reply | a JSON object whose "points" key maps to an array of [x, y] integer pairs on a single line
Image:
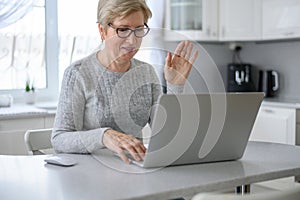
{"points": [[94, 99]]}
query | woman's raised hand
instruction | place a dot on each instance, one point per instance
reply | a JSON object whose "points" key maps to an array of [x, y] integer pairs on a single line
{"points": [[178, 66]]}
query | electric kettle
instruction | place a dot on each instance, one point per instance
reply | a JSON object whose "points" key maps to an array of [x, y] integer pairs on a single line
{"points": [[268, 82]]}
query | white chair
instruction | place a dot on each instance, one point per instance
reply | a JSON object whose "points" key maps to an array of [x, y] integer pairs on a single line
{"points": [[38, 141], [287, 194]]}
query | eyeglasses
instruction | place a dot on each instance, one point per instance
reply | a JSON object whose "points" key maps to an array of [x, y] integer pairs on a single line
{"points": [[126, 32]]}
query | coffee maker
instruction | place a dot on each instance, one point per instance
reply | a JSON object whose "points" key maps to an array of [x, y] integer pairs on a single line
{"points": [[239, 73], [240, 78]]}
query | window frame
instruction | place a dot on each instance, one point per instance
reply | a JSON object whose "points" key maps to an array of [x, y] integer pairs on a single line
{"points": [[50, 93]]}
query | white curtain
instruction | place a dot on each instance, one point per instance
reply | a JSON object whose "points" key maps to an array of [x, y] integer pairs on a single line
{"points": [[13, 10]]}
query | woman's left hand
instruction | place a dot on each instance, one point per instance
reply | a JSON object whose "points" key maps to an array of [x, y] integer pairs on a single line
{"points": [[178, 66]]}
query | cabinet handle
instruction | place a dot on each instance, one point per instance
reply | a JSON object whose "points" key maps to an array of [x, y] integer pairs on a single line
{"points": [[268, 110], [289, 33], [223, 31], [208, 32]]}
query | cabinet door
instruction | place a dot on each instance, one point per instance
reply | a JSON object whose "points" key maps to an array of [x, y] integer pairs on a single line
{"points": [[12, 134], [49, 121], [275, 124], [281, 19], [191, 19], [240, 20], [298, 127]]}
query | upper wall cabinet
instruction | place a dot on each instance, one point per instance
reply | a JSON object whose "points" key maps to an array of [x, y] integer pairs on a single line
{"points": [[240, 20], [281, 19], [232, 20], [191, 19]]}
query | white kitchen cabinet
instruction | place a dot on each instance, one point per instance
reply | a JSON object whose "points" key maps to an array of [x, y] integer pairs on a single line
{"points": [[232, 20], [191, 19], [298, 127], [240, 20], [280, 19], [12, 132], [275, 124], [49, 121], [279, 124]]}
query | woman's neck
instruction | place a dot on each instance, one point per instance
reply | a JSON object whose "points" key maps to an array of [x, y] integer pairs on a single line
{"points": [[115, 65]]}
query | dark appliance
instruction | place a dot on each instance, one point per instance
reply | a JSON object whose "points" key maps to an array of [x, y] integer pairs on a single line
{"points": [[268, 82], [240, 78]]}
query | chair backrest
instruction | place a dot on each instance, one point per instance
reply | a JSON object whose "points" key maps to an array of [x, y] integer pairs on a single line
{"points": [[38, 140], [287, 194]]}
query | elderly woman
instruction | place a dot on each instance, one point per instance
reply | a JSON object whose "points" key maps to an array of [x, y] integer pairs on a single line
{"points": [[106, 97]]}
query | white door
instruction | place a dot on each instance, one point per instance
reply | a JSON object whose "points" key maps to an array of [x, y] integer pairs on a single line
{"points": [[191, 19], [281, 19], [274, 124], [240, 20]]}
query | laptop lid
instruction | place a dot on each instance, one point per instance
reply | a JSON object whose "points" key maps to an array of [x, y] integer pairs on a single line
{"points": [[197, 128]]}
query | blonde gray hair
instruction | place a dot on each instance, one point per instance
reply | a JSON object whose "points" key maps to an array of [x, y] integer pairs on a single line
{"points": [[108, 10]]}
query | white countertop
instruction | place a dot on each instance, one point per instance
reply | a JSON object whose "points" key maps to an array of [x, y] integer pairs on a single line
{"points": [[287, 103], [95, 176], [25, 110]]}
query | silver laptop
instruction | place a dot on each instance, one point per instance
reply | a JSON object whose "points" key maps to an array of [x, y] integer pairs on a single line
{"points": [[200, 128]]}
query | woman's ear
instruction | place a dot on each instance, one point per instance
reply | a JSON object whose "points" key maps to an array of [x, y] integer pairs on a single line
{"points": [[101, 31]]}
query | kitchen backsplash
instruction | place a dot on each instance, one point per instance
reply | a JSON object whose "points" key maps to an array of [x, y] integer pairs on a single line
{"points": [[282, 56]]}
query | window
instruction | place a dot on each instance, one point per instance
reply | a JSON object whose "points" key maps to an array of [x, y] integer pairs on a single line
{"points": [[22, 51], [23, 54], [42, 44], [78, 31]]}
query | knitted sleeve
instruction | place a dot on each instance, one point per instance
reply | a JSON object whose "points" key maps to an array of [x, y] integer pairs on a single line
{"points": [[68, 135]]}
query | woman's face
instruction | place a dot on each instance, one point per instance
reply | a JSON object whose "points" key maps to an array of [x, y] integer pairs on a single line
{"points": [[123, 49]]}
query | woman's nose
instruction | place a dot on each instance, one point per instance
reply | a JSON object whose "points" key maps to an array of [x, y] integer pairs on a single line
{"points": [[131, 38]]}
